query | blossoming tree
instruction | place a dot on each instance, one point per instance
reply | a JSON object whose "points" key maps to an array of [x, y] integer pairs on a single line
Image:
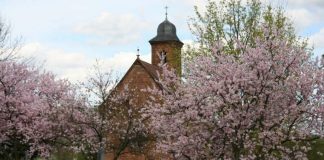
{"points": [[119, 127], [265, 103], [38, 113]]}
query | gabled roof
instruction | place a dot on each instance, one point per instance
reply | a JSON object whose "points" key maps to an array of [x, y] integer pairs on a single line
{"points": [[152, 70]]}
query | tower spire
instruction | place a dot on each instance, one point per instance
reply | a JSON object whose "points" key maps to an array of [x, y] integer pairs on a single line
{"points": [[166, 12]]}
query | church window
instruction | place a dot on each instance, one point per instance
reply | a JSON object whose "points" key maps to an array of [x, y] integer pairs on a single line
{"points": [[163, 57]]}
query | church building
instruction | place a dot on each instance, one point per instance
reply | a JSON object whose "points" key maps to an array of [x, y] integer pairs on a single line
{"points": [[165, 48]]}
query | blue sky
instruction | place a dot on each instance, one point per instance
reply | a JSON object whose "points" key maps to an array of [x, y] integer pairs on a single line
{"points": [[68, 35]]}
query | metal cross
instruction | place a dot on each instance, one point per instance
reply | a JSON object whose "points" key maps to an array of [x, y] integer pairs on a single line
{"points": [[166, 12], [138, 54]]}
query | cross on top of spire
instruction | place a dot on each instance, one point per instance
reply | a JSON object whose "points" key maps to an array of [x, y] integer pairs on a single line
{"points": [[166, 12], [138, 52]]}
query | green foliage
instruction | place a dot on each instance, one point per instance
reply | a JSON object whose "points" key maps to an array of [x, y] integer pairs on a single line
{"points": [[317, 150], [231, 20], [69, 155]]}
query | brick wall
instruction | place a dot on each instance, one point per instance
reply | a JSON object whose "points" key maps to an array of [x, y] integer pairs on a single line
{"points": [[173, 53], [137, 79]]}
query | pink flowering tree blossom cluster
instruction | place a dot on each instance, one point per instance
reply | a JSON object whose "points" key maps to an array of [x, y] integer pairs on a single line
{"points": [[127, 133], [119, 127], [39, 112], [265, 103]]}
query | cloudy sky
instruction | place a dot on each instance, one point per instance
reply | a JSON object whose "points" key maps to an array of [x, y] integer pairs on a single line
{"points": [[68, 35]]}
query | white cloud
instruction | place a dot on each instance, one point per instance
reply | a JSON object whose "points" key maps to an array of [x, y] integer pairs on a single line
{"points": [[318, 39], [105, 23], [306, 3], [113, 28], [302, 18], [200, 4], [189, 44], [306, 13], [75, 66], [123, 60], [69, 65]]}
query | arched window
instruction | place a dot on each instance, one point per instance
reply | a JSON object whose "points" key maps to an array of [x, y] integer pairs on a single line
{"points": [[163, 57]]}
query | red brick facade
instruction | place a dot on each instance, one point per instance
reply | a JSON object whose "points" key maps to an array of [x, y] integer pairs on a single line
{"points": [[139, 77], [143, 75], [173, 54]]}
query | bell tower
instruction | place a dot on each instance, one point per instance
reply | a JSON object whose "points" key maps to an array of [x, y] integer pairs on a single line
{"points": [[166, 46]]}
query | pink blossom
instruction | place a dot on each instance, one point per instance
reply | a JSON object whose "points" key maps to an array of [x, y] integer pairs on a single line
{"points": [[246, 107]]}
